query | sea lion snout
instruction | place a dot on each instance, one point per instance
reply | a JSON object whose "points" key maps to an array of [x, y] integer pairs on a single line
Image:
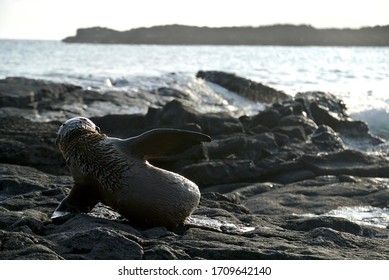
{"points": [[75, 124]]}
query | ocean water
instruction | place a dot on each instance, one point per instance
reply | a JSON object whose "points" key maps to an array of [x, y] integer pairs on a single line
{"points": [[358, 75]]}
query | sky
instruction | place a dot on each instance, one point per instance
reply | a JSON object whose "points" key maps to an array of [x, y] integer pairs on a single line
{"points": [[57, 19]]}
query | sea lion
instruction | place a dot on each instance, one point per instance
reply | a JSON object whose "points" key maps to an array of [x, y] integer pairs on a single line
{"points": [[116, 172]]}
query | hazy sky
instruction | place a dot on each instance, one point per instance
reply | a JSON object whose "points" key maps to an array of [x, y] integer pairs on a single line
{"points": [[56, 19]]}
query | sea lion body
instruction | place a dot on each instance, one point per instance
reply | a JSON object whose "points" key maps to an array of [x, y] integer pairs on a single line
{"points": [[116, 172]]}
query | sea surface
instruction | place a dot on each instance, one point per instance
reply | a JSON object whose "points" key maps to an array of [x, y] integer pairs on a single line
{"points": [[358, 75]]}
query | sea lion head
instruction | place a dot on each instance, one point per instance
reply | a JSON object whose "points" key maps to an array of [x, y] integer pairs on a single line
{"points": [[74, 127]]}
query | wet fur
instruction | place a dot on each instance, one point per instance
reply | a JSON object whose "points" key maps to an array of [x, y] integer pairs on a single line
{"points": [[96, 159]]}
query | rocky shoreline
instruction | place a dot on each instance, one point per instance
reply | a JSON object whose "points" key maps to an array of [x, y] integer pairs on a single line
{"points": [[269, 181]]}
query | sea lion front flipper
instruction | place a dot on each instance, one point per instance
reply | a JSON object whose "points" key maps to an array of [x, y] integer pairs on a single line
{"points": [[162, 142], [79, 200]]}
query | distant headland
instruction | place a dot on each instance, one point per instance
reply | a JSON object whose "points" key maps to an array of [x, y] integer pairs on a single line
{"points": [[282, 35]]}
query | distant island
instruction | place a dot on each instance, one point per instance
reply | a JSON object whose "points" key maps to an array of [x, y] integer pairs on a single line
{"points": [[282, 35]]}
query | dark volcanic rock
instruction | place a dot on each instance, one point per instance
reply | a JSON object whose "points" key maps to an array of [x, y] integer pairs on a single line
{"points": [[24, 142], [179, 115], [25, 93], [326, 109], [327, 139], [261, 226], [347, 162], [222, 172], [274, 185], [244, 87], [34, 98], [43, 101]]}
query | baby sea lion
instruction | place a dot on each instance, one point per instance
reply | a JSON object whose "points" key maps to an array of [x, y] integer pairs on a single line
{"points": [[116, 172]]}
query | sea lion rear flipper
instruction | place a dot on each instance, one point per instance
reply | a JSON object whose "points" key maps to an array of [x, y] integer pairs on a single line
{"points": [[163, 142]]}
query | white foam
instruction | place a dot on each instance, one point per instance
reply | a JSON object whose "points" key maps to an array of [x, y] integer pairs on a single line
{"points": [[377, 119], [208, 97]]}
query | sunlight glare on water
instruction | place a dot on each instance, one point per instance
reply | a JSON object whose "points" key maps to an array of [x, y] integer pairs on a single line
{"points": [[364, 215]]}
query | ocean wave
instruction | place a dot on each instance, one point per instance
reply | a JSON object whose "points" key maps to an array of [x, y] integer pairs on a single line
{"points": [[210, 97], [376, 118]]}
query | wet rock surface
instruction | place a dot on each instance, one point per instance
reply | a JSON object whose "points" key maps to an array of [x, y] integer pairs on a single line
{"points": [[270, 182], [247, 88]]}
